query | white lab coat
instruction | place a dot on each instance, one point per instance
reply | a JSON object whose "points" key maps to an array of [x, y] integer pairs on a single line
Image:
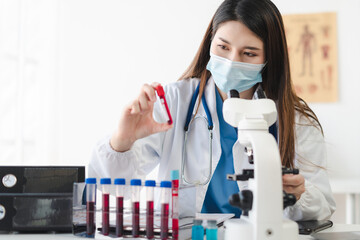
{"points": [[165, 149]]}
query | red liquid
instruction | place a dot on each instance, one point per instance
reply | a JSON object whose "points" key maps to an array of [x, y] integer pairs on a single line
{"points": [[150, 219], [175, 206], [90, 219], [105, 214], [135, 219], [119, 216], [175, 228], [164, 221]]}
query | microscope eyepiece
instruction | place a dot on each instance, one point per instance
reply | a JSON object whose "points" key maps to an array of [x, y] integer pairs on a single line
{"points": [[233, 94], [259, 93]]}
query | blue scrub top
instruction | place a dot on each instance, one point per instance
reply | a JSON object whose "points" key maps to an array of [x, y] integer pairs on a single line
{"points": [[220, 189]]}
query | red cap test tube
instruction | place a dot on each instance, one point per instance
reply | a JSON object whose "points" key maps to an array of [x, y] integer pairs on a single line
{"points": [[175, 203], [165, 107]]}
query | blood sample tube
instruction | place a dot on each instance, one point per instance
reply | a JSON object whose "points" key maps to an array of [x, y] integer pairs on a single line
{"points": [[105, 188], [119, 185], [175, 203], [165, 200], [161, 94], [150, 184], [90, 206], [135, 200]]}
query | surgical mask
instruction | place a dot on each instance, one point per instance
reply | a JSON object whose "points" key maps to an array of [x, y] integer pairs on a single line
{"points": [[229, 75]]}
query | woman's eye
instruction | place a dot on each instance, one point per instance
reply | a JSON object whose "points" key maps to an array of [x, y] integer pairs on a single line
{"points": [[222, 47], [249, 54]]}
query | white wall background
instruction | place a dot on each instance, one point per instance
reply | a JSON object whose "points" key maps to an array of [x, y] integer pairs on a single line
{"points": [[29, 92], [81, 61], [110, 48]]}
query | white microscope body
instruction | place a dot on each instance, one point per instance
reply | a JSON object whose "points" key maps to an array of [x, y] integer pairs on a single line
{"points": [[265, 219]]}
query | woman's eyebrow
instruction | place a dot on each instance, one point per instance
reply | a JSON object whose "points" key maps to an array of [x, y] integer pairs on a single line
{"points": [[252, 48], [246, 47], [224, 40]]}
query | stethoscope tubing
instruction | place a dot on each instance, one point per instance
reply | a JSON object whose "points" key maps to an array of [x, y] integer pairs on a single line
{"points": [[186, 129], [191, 109]]}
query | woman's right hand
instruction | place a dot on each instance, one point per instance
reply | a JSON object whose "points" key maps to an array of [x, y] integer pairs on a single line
{"points": [[137, 120]]}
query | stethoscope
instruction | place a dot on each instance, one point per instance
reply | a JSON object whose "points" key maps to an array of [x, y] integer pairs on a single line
{"points": [[189, 120]]}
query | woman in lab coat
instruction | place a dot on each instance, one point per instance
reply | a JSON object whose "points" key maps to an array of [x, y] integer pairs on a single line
{"points": [[246, 37]]}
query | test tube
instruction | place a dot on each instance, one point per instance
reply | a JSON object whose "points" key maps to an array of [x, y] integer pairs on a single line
{"points": [[135, 199], [211, 230], [197, 231], [150, 184], [90, 206], [165, 200], [175, 203], [105, 188], [161, 94], [119, 185]]}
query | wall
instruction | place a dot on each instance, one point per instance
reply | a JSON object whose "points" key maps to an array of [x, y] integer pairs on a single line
{"points": [[110, 48]]}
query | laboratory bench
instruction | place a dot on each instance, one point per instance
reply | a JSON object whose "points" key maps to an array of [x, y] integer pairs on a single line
{"points": [[337, 232]]}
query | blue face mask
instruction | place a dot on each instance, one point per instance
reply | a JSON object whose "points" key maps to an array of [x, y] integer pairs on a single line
{"points": [[229, 75]]}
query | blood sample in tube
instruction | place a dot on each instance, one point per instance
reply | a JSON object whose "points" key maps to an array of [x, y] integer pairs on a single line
{"points": [[150, 184], [135, 198], [90, 219], [119, 185], [136, 219], [105, 187], [161, 94], [90, 206], [119, 216], [165, 199]]}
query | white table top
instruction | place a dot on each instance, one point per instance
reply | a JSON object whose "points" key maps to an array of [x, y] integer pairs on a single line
{"points": [[337, 232]]}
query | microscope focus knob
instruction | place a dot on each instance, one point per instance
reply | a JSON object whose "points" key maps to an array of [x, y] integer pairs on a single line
{"points": [[242, 200], [289, 199], [286, 170], [246, 175]]}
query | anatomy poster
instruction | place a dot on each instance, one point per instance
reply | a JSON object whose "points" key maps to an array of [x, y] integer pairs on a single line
{"points": [[312, 45]]}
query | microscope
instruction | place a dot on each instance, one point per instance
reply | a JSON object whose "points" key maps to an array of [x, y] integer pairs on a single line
{"points": [[263, 201]]}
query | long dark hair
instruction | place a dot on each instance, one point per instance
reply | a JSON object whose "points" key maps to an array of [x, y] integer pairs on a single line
{"points": [[264, 19]]}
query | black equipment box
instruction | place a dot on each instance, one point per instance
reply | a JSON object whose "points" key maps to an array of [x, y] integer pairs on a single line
{"points": [[38, 198]]}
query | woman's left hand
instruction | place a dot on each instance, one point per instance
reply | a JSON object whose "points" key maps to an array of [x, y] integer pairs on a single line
{"points": [[294, 184]]}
